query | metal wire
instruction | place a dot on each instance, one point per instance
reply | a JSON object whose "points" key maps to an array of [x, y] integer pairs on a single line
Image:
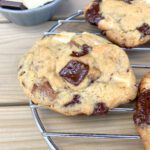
{"points": [[59, 23], [140, 66], [34, 108], [90, 135], [41, 128]]}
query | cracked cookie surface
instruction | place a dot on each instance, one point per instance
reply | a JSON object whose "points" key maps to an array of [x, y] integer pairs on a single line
{"points": [[142, 113], [77, 74], [124, 22]]}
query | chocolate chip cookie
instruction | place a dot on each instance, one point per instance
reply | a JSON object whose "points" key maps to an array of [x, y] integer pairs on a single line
{"points": [[142, 114], [124, 22], [77, 74]]}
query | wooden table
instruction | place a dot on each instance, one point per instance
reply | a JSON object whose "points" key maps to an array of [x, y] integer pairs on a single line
{"points": [[17, 128]]}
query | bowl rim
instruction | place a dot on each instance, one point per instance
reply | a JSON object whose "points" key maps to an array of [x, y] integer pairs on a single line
{"points": [[54, 2]]}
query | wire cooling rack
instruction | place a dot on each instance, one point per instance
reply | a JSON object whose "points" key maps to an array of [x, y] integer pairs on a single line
{"points": [[34, 108]]}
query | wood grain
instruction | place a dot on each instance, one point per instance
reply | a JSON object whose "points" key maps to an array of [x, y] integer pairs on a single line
{"points": [[3, 19], [72, 6], [14, 42], [18, 130]]}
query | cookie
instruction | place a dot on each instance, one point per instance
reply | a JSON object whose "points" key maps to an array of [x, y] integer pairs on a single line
{"points": [[142, 114], [77, 74], [124, 22]]}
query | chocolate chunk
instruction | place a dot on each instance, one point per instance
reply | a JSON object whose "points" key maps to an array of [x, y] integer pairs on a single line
{"points": [[93, 13], [142, 114], [85, 50], [144, 29], [74, 72], [44, 89], [100, 108], [128, 1], [12, 5], [75, 100]]}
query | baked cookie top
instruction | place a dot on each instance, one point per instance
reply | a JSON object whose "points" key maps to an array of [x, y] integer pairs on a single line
{"points": [[77, 74], [142, 114], [125, 22]]}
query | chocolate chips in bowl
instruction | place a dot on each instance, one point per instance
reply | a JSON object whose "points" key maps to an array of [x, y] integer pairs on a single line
{"points": [[29, 13]]}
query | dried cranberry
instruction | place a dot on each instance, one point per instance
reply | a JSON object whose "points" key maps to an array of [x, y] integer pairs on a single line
{"points": [[74, 72]]}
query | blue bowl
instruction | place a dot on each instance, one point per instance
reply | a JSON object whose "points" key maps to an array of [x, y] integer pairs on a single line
{"points": [[32, 16]]}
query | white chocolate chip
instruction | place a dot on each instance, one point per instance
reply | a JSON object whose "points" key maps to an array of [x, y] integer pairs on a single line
{"points": [[64, 37]]}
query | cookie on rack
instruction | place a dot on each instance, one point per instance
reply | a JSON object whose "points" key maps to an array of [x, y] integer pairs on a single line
{"points": [[142, 114], [77, 74], [124, 22]]}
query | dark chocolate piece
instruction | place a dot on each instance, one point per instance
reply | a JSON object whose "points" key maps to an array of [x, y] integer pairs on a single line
{"points": [[100, 108], [128, 1], [12, 5], [44, 89], [142, 114], [144, 29], [75, 100], [93, 13], [85, 50], [74, 72]]}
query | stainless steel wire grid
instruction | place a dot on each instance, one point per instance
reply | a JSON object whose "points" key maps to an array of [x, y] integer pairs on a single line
{"points": [[34, 108]]}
